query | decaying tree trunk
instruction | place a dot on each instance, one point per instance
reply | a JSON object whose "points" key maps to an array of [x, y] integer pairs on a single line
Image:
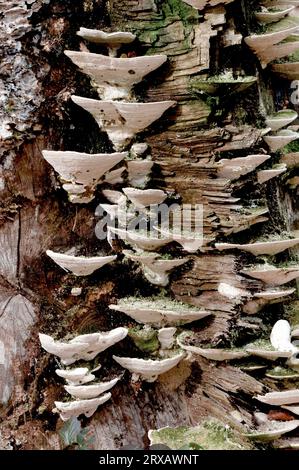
{"points": [[37, 81]]}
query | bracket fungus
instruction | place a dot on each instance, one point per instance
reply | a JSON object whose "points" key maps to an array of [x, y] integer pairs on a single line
{"points": [[261, 44], [148, 369], [159, 312], [166, 337], [265, 350], [85, 392], [287, 70], [201, 4], [83, 347], [156, 269], [287, 397], [280, 374], [213, 354], [80, 265], [189, 241], [82, 171], [272, 275], [145, 197], [273, 13], [68, 352], [280, 337], [281, 119], [122, 121], [139, 172], [261, 248], [70, 409], [272, 430], [234, 168], [266, 175], [221, 85], [78, 376], [281, 139], [113, 41], [115, 77], [141, 240], [260, 299]]}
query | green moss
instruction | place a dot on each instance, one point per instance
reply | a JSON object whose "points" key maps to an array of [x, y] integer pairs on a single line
{"points": [[281, 372], [145, 339], [261, 344], [160, 303], [210, 435]]}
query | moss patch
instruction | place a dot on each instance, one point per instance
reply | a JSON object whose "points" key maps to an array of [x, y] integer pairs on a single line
{"points": [[210, 435]]}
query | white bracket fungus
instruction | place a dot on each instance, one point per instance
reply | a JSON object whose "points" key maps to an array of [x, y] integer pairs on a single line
{"points": [[281, 139], [282, 118], [122, 121], [213, 354], [166, 337], [201, 4], [147, 369], [78, 376], [155, 268], [288, 397], [145, 197], [85, 392], [141, 240], [237, 167], [139, 172], [272, 430], [262, 44], [112, 40], [190, 242], [281, 337], [260, 248], [273, 14], [267, 297], [160, 312], [85, 347], [113, 77], [80, 265], [81, 171], [288, 70], [70, 409], [266, 175], [272, 275]]}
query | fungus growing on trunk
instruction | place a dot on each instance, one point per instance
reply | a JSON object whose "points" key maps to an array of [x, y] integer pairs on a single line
{"points": [[78, 376], [113, 77], [273, 13], [281, 139], [148, 369], [113, 41], [70, 409], [83, 347], [145, 197], [234, 168], [281, 337], [85, 392], [80, 173], [156, 269], [80, 265], [266, 175], [260, 248], [159, 312], [287, 397], [272, 275], [281, 119], [122, 121], [261, 44]]}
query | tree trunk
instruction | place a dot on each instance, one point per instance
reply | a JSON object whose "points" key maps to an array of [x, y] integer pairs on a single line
{"points": [[186, 146]]}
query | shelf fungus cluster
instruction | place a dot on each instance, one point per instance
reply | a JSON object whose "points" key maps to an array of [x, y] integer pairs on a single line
{"points": [[87, 397]]}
